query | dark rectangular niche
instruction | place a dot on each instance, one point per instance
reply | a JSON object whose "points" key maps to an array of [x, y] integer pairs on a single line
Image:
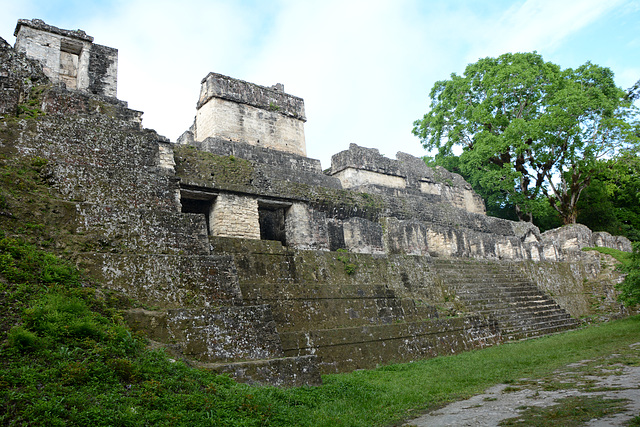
{"points": [[336, 235], [198, 205], [272, 218]]}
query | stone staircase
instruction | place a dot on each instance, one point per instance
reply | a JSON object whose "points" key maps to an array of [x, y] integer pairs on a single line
{"points": [[498, 291]]}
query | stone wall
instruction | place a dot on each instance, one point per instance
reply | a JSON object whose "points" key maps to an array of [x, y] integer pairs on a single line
{"points": [[19, 76], [239, 111], [570, 239], [235, 216], [369, 218], [103, 70], [586, 289]]}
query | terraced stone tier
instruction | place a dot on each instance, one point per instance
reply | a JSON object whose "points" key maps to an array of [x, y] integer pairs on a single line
{"points": [[308, 306], [168, 281], [283, 371], [365, 347], [215, 334]]}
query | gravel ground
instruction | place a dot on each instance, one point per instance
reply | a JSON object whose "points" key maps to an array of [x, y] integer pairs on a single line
{"points": [[616, 377]]}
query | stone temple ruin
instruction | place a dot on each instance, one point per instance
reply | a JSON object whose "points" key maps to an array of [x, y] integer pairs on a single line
{"points": [[69, 57], [252, 261]]}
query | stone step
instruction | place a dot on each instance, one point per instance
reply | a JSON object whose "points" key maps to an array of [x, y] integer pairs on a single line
{"points": [[365, 347], [492, 291], [519, 307], [513, 310], [298, 307], [511, 326], [505, 300], [519, 334], [477, 273], [542, 326], [465, 271], [491, 285], [281, 372], [525, 319], [496, 297]]}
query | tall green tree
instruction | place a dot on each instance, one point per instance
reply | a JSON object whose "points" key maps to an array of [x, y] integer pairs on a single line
{"points": [[612, 202], [528, 129]]}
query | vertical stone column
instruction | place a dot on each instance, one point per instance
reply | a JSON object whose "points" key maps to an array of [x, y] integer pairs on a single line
{"points": [[235, 216]]}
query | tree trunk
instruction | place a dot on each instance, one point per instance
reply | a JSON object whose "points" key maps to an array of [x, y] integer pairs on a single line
{"points": [[571, 217], [524, 216]]}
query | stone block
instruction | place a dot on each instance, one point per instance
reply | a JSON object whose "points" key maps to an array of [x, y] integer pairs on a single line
{"points": [[167, 281], [235, 216], [363, 236], [306, 228], [214, 334]]}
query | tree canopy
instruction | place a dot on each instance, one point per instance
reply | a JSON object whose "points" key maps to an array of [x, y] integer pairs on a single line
{"points": [[612, 201], [528, 130]]}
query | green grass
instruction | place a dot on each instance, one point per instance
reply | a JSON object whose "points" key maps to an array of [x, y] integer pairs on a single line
{"points": [[68, 359], [623, 257]]}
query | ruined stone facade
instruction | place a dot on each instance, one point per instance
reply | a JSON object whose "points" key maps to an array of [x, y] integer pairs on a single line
{"points": [[69, 57], [261, 265]]}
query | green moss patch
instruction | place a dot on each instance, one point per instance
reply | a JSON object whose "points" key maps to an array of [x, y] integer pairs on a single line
{"points": [[623, 257], [206, 169], [570, 411]]}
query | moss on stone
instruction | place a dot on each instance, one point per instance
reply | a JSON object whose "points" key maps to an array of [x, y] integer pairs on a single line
{"points": [[208, 170]]}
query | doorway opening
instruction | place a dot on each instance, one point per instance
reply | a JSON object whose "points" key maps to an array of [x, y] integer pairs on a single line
{"points": [[272, 217]]}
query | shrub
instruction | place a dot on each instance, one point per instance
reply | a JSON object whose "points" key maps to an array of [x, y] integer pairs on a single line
{"points": [[630, 288], [22, 339]]}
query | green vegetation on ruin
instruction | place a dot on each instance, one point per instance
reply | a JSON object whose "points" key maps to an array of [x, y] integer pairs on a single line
{"points": [[629, 264], [231, 173], [228, 172], [623, 257]]}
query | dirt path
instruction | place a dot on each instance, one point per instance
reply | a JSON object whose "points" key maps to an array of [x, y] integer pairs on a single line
{"points": [[604, 392]]}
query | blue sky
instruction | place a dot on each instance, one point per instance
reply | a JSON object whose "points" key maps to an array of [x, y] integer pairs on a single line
{"points": [[364, 68]]}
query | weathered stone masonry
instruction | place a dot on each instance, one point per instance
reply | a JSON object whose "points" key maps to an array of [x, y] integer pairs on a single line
{"points": [[256, 262], [69, 57], [239, 111]]}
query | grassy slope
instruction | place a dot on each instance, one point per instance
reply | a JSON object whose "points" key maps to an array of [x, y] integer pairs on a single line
{"points": [[66, 357]]}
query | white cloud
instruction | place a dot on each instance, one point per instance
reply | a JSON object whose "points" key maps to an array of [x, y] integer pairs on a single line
{"points": [[364, 68], [537, 25]]}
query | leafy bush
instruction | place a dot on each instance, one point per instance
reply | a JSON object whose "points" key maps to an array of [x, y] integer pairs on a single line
{"points": [[630, 288]]}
